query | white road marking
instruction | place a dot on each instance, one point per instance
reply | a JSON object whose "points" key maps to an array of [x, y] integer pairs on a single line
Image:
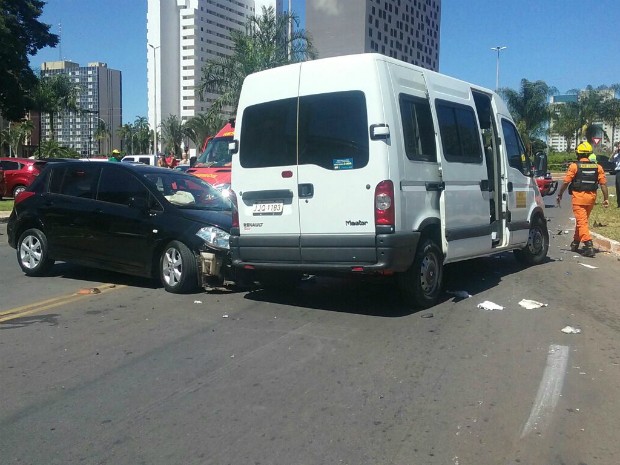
{"points": [[549, 390]]}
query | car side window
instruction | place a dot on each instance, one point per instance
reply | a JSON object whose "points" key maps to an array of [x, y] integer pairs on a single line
{"points": [[120, 187], [418, 130], [515, 150], [75, 181], [460, 134]]}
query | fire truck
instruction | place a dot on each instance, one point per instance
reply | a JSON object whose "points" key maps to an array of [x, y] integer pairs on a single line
{"points": [[213, 164]]}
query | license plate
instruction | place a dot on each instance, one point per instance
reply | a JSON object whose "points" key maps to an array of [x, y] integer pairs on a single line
{"points": [[267, 208]]}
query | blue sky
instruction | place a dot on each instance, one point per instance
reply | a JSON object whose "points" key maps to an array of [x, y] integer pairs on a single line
{"points": [[568, 44]]}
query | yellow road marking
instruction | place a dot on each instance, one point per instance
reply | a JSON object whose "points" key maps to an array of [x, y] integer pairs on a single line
{"points": [[29, 309]]}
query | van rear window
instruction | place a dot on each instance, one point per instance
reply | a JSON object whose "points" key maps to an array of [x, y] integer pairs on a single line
{"points": [[332, 132]]}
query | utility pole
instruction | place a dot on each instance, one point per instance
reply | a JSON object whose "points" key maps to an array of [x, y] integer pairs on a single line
{"points": [[497, 49], [155, 96]]}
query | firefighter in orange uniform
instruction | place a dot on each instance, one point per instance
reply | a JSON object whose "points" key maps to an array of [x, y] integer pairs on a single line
{"points": [[583, 178]]}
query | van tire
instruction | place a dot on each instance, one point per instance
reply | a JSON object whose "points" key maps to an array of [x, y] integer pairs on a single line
{"points": [[33, 253], [178, 270], [421, 284], [535, 252]]}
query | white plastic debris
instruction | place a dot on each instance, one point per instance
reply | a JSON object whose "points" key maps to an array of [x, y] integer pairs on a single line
{"points": [[592, 267], [197, 301], [460, 294], [488, 305], [225, 315], [570, 330], [531, 304]]}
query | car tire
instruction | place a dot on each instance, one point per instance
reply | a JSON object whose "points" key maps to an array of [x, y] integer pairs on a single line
{"points": [[535, 252], [421, 284], [33, 253], [18, 190], [178, 269]]}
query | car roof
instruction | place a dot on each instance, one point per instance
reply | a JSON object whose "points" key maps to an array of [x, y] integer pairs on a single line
{"points": [[136, 167]]}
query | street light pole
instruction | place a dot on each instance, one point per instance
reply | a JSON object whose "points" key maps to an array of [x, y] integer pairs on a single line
{"points": [[497, 49], [155, 96]]}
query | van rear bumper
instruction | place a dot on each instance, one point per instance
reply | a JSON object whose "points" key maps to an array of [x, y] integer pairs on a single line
{"points": [[323, 253]]}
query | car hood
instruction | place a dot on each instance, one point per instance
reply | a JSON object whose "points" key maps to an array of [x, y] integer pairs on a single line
{"points": [[221, 219]]}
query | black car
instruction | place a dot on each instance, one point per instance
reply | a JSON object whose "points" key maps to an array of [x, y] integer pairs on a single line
{"points": [[606, 164], [135, 219]]}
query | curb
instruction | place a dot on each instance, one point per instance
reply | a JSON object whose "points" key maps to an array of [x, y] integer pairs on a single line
{"points": [[4, 217]]}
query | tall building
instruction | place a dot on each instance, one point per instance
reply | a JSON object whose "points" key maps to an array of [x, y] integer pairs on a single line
{"points": [[182, 36], [404, 29], [100, 100]]}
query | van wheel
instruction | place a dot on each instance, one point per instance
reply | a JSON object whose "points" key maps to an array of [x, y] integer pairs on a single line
{"points": [[279, 280], [535, 251], [421, 284], [178, 270], [32, 253]]}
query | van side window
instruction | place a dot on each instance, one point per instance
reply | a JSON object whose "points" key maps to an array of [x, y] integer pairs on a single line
{"points": [[460, 135], [268, 134], [418, 130], [515, 150], [119, 186], [76, 181], [333, 130]]}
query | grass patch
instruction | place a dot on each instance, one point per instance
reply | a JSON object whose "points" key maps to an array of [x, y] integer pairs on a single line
{"points": [[606, 221], [6, 205]]}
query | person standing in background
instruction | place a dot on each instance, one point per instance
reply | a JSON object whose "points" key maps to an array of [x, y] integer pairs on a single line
{"points": [[615, 159]]}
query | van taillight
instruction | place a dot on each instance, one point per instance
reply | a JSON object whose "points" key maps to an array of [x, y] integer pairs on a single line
{"points": [[384, 204], [235, 210]]}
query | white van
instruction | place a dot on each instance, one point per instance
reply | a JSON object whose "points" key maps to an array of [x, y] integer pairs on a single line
{"points": [[366, 164], [147, 159]]}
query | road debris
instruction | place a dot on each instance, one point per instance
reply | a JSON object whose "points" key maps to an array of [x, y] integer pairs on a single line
{"points": [[460, 294], [570, 330], [531, 304], [488, 305], [91, 290], [427, 315], [592, 267], [225, 315], [197, 301]]}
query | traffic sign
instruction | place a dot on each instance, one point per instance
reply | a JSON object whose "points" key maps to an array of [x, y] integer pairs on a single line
{"points": [[596, 140]]}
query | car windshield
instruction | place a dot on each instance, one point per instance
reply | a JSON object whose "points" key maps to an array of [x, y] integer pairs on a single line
{"points": [[216, 154], [187, 191]]}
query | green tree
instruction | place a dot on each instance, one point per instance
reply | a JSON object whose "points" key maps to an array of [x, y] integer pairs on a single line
{"points": [[173, 131], [143, 137], [529, 108], [21, 35], [126, 134], [265, 44], [52, 149], [55, 94], [15, 135], [610, 112], [566, 121], [203, 125], [102, 133]]}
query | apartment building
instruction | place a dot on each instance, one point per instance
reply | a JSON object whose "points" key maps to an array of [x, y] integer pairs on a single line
{"points": [[407, 30], [182, 36], [100, 100]]}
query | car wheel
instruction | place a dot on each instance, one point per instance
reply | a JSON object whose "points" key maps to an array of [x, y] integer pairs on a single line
{"points": [[421, 284], [178, 269], [18, 190], [32, 253], [535, 251]]}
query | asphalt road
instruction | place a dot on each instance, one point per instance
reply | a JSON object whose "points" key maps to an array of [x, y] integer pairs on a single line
{"points": [[337, 372]]}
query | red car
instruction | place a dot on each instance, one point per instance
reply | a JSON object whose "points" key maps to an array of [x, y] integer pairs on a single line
{"points": [[18, 174]]}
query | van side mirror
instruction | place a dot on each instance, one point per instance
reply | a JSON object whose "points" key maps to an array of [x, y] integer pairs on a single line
{"points": [[379, 132]]}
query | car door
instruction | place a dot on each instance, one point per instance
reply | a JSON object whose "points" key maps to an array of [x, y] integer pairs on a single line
{"points": [[122, 226], [464, 204], [68, 210]]}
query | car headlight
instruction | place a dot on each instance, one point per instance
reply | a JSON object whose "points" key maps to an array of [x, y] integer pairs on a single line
{"points": [[215, 237]]}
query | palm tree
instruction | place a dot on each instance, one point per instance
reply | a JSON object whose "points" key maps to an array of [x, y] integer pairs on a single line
{"points": [[173, 130], [264, 45], [15, 134], [610, 114], [101, 133], [142, 135], [529, 108], [567, 121], [54, 95], [203, 125], [126, 133]]}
